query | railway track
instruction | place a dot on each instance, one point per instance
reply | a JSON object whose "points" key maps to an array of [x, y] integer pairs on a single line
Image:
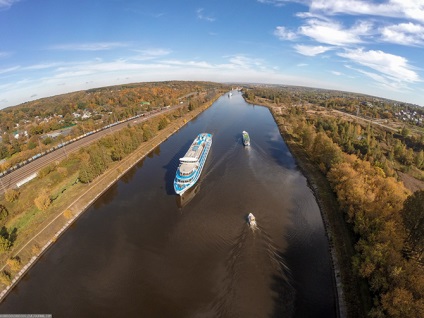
{"points": [[13, 178]]}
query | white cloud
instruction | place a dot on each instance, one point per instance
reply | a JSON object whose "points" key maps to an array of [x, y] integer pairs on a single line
{"points": [[149, 54], [96, 73], [245, 62], [406, 9], [96, 46], [9, 70], [393, 67], [41, 66], [336, 73], [311, 50], [383, 82], [404, 34], [201, 64], [4, 54], [6, 4], [201, 16], [409, 9], [333, 33], [284, 34], [277, 3]]}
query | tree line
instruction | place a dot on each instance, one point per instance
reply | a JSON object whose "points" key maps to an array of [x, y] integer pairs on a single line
{"points": [[386, 219], [106, 105]]}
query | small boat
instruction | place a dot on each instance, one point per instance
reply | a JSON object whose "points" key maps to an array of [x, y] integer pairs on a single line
{"points": [[246, 138], [252, 220], [192, 163]]}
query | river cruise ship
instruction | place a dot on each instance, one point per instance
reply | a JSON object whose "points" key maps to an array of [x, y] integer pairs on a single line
{"points": [[246, 138], [192, 163]]}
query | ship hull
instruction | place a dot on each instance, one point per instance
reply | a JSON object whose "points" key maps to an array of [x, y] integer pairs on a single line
{"points": [[191, 165]]}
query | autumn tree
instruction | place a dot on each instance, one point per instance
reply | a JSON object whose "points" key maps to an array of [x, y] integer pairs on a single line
{"points": [[14, 263], [43, 201], [5, 278], [5, 244], [11, 195], [325, 151], [413, 219]]}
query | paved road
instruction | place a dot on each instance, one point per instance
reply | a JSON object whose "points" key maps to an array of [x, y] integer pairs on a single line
{"points": [[11, 179]]}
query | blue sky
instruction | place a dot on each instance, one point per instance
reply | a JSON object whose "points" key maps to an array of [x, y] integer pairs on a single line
{"points": [[49, 47]]}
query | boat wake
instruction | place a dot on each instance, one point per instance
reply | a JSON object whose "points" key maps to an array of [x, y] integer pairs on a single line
{"points": [[215, 164], [256, 279]]}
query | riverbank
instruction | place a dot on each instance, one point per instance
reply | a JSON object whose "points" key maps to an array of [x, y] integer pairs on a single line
{"points": [[84, 196], [339, 236]]}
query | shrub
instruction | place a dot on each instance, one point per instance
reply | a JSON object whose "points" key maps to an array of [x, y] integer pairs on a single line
{"points": [[45, 171], [5, 278], [68, 214], [42, 202], [14, 263], [11, 195], [35, 250], [62, 171], [5, 244]]}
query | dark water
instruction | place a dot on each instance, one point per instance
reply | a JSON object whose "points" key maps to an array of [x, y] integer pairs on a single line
{"points": [[141, 252]]}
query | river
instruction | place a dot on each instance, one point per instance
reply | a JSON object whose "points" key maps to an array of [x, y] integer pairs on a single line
{"points": [[140, 251]]}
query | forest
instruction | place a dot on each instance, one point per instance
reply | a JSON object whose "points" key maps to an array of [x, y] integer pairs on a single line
{"points": [[385, 219], [25, 130]]}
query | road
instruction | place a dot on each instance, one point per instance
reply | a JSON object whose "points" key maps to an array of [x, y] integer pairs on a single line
{"points": [[373, 122], [11, 179]]}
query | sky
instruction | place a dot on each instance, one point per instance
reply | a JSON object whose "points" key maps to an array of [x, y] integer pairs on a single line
{"points": [[50, 47]]}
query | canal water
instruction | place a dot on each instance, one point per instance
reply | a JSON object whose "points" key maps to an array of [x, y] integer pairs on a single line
{"points": [[141, 251]]}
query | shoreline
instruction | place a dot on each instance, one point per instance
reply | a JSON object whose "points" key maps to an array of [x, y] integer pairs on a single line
{"points": [[341, 308], [311, 173], [99, 186]]}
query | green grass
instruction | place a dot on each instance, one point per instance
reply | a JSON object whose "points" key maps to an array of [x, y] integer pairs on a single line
{"points": [[23, 220]]}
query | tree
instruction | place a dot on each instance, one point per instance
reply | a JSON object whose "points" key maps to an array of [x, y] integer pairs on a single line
{"points": [[11, 195], [5, 244], [419, 159], [43, 201], [3, 212], [163, 123], [5, 278], [14, 263], [4, 151], [325, 151], [308, 136], [404, 132], [413, 219], [400, 303]]}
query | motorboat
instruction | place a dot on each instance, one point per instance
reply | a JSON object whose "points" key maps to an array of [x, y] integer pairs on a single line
{"points": [[252, 220]]}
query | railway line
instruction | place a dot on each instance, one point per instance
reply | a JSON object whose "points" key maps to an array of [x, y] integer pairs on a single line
{"points": [[13, 178]]}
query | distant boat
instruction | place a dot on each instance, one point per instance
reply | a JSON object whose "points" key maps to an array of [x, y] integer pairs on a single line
{"points": [[246, 138], [192, 163], [252, 220], [230, 94]]}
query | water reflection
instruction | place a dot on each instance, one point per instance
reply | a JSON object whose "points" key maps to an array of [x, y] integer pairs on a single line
{"points": [[107, 197], [187, 196]]}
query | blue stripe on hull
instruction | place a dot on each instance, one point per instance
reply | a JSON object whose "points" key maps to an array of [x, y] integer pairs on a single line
{"points": [[181, 188]]}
